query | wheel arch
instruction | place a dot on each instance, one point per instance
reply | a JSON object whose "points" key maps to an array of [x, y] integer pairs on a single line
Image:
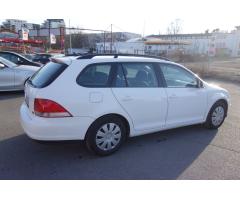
{"points": [[124, 119], [225, 101]]}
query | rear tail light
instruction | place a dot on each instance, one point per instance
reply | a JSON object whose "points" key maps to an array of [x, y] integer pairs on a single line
{"points": [[49, 109]]}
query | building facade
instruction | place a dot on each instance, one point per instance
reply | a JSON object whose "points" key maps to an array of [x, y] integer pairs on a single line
{"points": [[16, 25], [53, 23], [212, 44]]}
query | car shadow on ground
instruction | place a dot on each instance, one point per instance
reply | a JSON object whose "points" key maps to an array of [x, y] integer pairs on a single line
{"points": [[11, 95], [163, 155]]}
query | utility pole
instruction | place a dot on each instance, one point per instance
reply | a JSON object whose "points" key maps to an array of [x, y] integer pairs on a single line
{"points": [[49, 33], [111, 40], [143, 35], [104, 40], [70, 39]]}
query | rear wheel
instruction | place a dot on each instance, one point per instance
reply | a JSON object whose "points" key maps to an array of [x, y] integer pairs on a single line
{"points": [[106, 135], [216, 115]]}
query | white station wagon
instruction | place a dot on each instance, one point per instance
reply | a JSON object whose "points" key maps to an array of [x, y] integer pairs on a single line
{"points": [[103, 99]]}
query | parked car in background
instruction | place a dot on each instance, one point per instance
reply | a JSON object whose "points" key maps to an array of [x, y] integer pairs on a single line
{"points": [[28, 56], [12, 76], [45, 57], [105, 99], [18, 58]]}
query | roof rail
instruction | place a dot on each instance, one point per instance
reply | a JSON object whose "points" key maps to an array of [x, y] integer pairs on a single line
{"points": [[115, 55]]}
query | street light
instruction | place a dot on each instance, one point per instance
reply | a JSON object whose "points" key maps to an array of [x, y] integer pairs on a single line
{"points": [[49, 32]]}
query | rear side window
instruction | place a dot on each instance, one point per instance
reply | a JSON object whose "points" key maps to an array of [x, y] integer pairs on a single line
{"points": [[47, 74], [95, 75], [140, 75]]}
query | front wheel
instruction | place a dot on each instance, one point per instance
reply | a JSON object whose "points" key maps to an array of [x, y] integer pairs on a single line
{"points": [[106, 135], [216, 115]]}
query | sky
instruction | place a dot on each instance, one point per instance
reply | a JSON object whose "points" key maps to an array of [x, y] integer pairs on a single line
{"points": [[144, 17]]}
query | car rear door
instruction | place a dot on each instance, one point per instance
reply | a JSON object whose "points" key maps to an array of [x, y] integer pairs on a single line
{"points": [[187, 102], [141, 95], [6, 78]]}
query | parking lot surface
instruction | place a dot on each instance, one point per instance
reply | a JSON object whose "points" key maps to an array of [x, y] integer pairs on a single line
{"points": [[185, 153]]}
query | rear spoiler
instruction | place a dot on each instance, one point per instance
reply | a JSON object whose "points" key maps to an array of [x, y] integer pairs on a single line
{"points": [[62, 60]]}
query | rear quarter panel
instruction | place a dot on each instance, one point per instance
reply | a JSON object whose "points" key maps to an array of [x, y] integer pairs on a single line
{"points": [[20, 76], [81, 101]]}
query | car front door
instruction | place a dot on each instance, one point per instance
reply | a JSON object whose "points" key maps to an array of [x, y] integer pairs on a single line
{"points": [[186, 100], [6, 77], [140, 94]]}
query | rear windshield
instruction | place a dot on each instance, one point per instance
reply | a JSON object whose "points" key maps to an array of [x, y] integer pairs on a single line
{"points": [[47, 74]]}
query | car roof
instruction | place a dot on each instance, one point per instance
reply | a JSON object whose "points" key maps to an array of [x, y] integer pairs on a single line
{"points": [[11, 52], [17, 54], [43, 54], [106, 59], [111, 58]]}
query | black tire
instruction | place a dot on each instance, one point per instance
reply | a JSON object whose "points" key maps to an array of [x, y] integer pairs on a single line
{"points": [[91, 137], [209, 122]]}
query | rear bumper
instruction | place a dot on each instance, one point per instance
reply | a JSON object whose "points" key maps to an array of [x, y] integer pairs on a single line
{"points": [[68, 128]]}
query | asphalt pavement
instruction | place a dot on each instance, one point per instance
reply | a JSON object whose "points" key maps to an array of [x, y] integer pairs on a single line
{"points": [[184, 153]]}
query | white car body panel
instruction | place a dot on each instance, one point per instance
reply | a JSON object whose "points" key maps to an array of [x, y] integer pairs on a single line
{"points": [[146, 110], [21, 73], [185, 106], [6, 79], [136, 104], [214, 94], [39, 128]]}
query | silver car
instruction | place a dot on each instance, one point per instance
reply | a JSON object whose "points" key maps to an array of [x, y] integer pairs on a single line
{"points": [[12, 76]]}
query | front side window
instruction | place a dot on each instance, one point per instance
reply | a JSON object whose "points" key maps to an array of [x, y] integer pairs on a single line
{"points": [[96, 75], [176, 76], [10, 57], [14, 59], [6, 56], [7, 63], [139, 75]]}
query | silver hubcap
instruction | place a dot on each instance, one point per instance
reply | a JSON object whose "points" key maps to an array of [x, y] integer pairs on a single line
{"points": [[108, 136], [218, 116]]}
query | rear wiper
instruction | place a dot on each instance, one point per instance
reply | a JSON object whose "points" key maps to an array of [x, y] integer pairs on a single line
{"points": [[29, 81]]}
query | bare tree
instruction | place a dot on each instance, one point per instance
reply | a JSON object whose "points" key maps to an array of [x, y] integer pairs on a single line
{"points": [[216, 30], [237, 27], [175, 27]]}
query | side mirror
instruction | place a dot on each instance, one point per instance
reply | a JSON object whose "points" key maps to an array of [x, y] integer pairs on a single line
{"points": [[199, 83], [20, 62], [2, 66]]}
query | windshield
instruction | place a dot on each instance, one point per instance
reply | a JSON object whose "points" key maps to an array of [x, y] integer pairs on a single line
{"points": [[41, 56], [7, 62], [28, 56]]}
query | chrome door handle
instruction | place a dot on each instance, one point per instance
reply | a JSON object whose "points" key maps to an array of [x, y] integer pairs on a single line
{"points": [[127, 98], [173, 96]]}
